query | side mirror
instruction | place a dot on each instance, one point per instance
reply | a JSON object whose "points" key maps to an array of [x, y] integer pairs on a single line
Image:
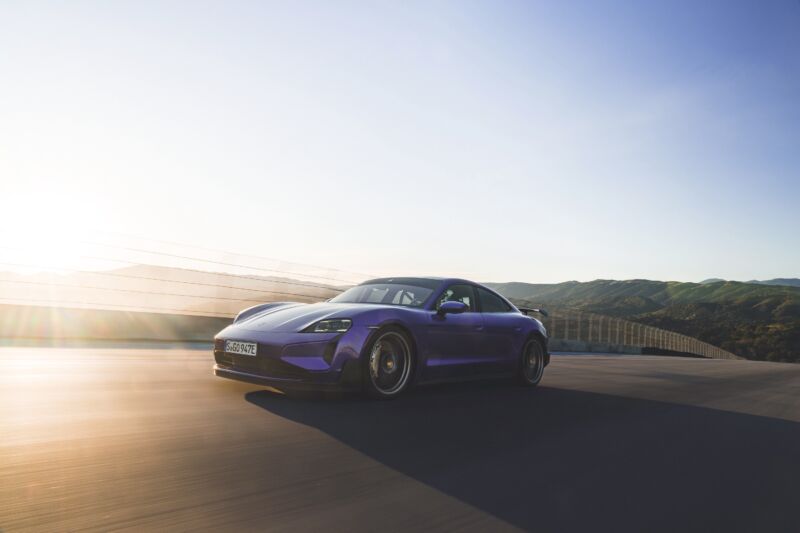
{"points": [[453, 307]]}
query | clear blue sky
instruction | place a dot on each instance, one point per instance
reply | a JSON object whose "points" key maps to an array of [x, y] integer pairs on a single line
{"points": [[524, 141]]}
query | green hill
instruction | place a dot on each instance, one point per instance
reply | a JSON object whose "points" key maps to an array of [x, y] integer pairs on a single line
{"points": [[756, 321], [790, 282]]}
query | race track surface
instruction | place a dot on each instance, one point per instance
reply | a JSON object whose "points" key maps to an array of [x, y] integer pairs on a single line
{"points": [[109, 439]]}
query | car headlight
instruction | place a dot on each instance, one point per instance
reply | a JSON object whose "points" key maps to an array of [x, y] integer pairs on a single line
{"points": [[333, 325]]}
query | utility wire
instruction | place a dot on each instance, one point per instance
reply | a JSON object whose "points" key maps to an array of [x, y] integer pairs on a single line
{"points": [[128, 276], [211, 261], [199, 271], [184, 245], [223, 274], [184, 312], [68, 285]]}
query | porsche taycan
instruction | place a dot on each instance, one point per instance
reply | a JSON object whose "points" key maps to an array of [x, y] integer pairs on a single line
{"points": [[384, 336]]}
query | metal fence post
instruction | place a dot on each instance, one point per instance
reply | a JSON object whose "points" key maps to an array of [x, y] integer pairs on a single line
{"points": [[599, 328]]}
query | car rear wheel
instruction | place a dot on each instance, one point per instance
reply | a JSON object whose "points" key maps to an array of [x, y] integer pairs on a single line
{"points": [[531, 363], [388, 364]]}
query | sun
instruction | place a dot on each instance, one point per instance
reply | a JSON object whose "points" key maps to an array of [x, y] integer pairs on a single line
{"points": [[31, 251], [47, 234]]}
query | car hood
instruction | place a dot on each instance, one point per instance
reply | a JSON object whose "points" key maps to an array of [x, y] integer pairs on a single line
{"points": [[297, 317]]}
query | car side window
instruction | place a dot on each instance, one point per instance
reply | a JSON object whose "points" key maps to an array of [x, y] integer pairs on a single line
{"points": [[458, 293], [376, 294], [403, 297], [491, 303]]}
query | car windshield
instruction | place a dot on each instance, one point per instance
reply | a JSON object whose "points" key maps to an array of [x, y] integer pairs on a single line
{"points": [[385, 293]]}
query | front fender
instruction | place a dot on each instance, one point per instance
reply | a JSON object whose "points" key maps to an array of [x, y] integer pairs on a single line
{"points": [[411, 321]]}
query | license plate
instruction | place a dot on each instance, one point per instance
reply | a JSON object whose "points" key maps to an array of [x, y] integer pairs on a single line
{"points": [[241, 348]]}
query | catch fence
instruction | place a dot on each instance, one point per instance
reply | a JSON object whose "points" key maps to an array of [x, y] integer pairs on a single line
{"points": [[575, 330]]}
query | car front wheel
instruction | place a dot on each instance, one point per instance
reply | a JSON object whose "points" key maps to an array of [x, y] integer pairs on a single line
{"points": [[531, 366], [388, 364]]}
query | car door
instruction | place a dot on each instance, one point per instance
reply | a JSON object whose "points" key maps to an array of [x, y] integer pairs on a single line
{"points": [[455, 341], [502, 328]]}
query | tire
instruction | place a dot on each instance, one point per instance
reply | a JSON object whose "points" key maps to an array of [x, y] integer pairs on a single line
{"points": [[388, 364], [531, 363]]}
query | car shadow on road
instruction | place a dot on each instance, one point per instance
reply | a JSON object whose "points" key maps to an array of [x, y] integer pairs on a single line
{"points": [[556, 459]]}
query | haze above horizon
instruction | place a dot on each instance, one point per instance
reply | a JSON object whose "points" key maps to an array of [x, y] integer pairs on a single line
{"points": [[518, 142]]}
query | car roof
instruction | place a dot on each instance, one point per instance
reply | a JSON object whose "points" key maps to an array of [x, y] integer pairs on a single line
{"points": [[431, 282]]}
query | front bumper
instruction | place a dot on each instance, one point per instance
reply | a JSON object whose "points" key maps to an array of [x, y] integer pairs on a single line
{"points": [[346, 383], [288, 361]]}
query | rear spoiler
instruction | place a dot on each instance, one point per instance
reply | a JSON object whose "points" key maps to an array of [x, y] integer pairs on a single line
{"points": [[529, 310]]}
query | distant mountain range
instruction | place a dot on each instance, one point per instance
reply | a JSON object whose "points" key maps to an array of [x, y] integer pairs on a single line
{"points": [[787, 282], [758, 320]]}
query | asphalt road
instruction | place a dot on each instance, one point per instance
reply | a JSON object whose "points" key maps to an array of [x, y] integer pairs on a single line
{"points": [[105, 439]]}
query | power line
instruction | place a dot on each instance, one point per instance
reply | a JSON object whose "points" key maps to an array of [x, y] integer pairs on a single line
{"points": [[67, 285], [128, 276], [184, 312], [211, 261], [223, 274], [184, 245], [185, 269]]}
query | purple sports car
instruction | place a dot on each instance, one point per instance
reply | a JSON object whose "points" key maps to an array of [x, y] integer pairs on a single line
{"points": [[383, 336]]}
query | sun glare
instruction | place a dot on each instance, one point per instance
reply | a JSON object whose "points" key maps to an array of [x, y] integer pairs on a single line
{"points": [[37, 250], [49, 239]]}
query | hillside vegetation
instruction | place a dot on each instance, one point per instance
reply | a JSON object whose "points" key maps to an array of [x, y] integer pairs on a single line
{"points": [[756, 321]]}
